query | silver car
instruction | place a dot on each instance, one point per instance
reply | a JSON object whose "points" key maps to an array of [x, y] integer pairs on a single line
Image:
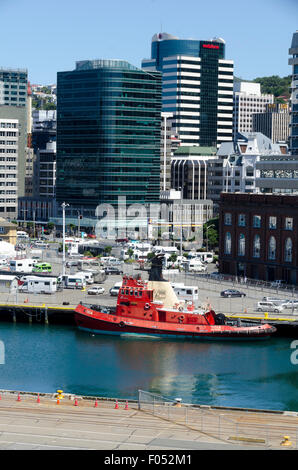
{"points": [[96, 290]]}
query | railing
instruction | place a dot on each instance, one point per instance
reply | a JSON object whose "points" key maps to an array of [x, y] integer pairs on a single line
{"points": [[245, 426]]}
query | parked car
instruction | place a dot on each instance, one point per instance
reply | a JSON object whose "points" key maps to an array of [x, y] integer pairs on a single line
{"points": [[96, 290], [290, 304], [113, 270], [70, 264], [114, 291], [269, 307], [232, 293]]}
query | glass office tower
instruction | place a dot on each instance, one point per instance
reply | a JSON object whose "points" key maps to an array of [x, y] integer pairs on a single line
{"points": [[108, 134], [293, 61]]}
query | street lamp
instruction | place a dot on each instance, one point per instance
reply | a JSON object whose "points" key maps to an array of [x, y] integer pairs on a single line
{"points": [[63, 205]]}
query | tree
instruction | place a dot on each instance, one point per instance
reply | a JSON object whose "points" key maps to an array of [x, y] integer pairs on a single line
{"points": [[173, 258], [108, 250]]}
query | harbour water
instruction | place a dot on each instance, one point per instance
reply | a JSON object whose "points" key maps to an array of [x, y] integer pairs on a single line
{"points": [[44, 358]]}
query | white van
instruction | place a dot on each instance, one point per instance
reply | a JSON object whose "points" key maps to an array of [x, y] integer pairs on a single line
{"points": [[72, 281], [205, 257], [196, 266], [22, 265], [114, 291], [22, 235], [269, 307], [39, 285], [88, 275]]}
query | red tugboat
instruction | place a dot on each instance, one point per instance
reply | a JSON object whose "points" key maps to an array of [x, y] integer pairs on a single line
{"points": [[152, 308]]}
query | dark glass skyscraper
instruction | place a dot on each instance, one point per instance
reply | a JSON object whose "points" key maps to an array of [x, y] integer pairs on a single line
{"points": [[108, 134]]}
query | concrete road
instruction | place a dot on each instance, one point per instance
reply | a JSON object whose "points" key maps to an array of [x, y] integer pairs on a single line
{"points": [[48, 425]]}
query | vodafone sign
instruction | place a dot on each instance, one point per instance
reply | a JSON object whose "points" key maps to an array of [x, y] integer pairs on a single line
{"points": [[210, 46]]}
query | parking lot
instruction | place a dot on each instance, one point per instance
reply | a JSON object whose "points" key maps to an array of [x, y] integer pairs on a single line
{"points": [[209, 289]]}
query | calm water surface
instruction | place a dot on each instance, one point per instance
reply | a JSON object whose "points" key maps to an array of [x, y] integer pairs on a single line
{"points": [[45, 358]]}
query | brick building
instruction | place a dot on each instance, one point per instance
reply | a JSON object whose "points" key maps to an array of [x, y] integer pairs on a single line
{"points": [[259, 236]]}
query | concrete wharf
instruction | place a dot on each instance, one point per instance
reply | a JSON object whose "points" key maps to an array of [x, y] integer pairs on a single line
{"points": [[42, 422]]}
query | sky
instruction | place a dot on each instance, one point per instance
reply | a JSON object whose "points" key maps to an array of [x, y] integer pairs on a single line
{"points": [[49, 37]]}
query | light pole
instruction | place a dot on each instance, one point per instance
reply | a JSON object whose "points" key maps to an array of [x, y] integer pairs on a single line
{"points": [[63, 205]]}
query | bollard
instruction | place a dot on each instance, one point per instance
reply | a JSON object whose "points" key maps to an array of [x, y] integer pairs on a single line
{"points": [[76, 402], [95, 404], [116, 405], [126, 405], [286, 441], [19, 397], [38, 399]]}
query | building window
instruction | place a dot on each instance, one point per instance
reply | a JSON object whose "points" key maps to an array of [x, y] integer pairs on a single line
{"points": [[272, 248], [256, 221], [272, 223], [288, 250], [228, 218], [228, 243], [241, 245], [288, 223], [241, 220], [257, 246]]}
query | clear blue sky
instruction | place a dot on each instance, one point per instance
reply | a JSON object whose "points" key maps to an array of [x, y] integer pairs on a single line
{"points": [[49, 36]]}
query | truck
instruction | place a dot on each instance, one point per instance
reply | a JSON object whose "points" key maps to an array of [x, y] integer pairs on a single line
{"points": [[195, 266], [38, 285], [22, 265]]}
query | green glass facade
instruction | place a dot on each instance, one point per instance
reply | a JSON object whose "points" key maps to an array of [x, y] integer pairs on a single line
{"points": [[108, 134]]}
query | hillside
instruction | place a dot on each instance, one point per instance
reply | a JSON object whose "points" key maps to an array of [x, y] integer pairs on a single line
{"points": [[277, 86]]}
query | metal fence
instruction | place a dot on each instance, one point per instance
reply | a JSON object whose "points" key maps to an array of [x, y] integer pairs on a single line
{"points": [[250, 427]]}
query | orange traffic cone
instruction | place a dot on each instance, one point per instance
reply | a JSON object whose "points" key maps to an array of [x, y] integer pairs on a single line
{"points": [[126, 405], [58, 401], [38, 399], [95, 404], [116, 405], [76, 402], [19, 397]]}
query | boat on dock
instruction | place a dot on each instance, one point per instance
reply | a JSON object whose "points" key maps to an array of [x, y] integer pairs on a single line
{"points": [[152, 308]]}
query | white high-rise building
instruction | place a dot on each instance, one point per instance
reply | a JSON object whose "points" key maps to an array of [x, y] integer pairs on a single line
{"points": [[248, 100], [197, 87], [9, 153]]}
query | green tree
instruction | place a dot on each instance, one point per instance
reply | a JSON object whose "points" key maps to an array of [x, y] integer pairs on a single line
{"points": [[108, 250]]}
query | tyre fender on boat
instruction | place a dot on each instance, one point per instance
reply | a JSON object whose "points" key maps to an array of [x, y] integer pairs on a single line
{"points": [[121, 324], [181, 318], [147, 306]]}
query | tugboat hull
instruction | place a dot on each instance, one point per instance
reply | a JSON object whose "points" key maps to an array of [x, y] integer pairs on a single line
{"points": [[105, 323]]}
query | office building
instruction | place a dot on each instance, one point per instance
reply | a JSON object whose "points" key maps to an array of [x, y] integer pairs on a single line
{"points": [[197, 87], [293, 61], [9, 159], [248, 101], [13, 107], [108, 135], [274, 122]]}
